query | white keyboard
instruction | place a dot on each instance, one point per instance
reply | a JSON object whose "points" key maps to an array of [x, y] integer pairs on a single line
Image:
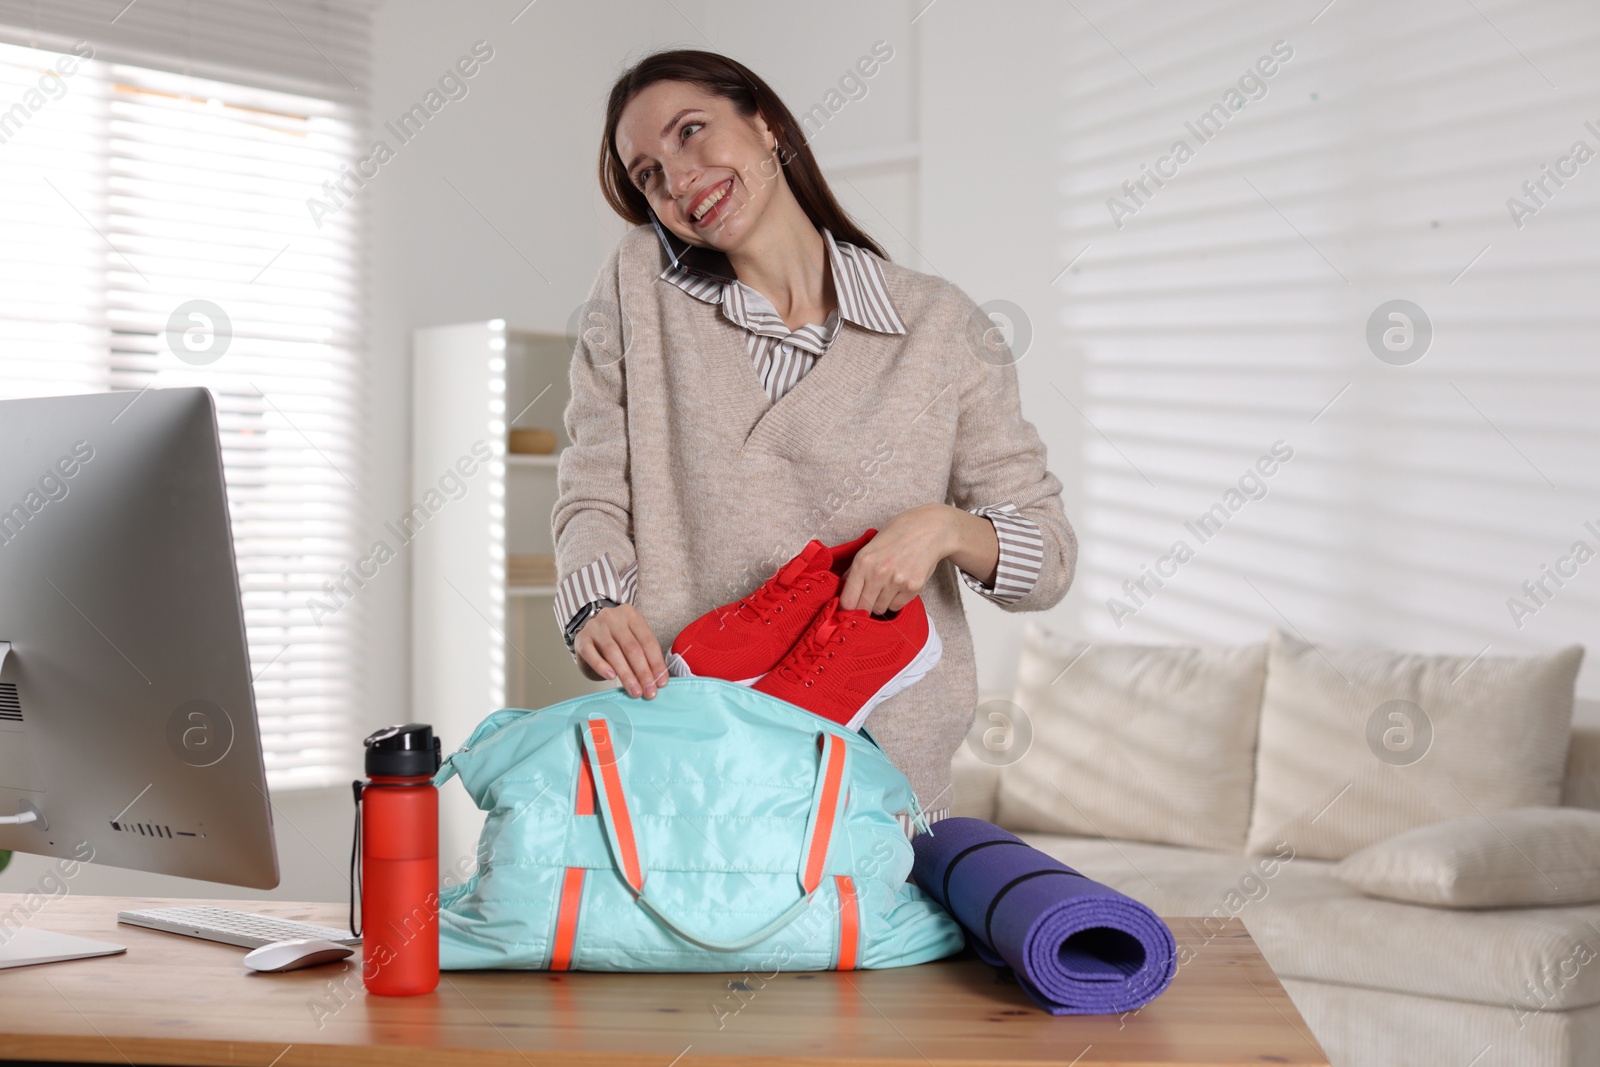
{"points": [[231, 927]]}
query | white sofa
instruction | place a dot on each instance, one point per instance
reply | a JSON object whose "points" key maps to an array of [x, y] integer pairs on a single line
{"points": [[1381, 983]]}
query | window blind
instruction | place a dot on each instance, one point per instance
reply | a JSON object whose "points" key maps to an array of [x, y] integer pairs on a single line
{"points": [[312, 47], [158, 235]]}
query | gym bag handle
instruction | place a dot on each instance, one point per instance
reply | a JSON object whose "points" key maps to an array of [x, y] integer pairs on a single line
{"points": [[827, 811]]}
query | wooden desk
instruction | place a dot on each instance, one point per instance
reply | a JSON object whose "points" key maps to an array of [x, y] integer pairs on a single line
{"points": [[178, 1000]]}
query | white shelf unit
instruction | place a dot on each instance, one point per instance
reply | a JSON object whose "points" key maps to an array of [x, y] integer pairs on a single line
{"points": [[479, 644]]}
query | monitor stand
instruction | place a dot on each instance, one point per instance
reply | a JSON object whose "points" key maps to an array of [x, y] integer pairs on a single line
{"points": [[26, 946]]}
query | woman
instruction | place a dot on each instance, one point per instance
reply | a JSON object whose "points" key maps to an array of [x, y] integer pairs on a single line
{"points": [[753, 373]]}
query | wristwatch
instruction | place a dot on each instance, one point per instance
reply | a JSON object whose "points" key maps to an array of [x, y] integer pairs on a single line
{"points": [[574, 624]]}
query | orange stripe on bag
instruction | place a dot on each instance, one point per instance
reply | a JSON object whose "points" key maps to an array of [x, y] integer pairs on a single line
{"points": [[572, 881], [586, 794], [849, 922], [616, 804], [567, 919], [826, 807]]}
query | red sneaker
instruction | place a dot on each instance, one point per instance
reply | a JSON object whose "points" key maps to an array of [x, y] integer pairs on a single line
{"points": [[744, 640], [849, 662]]}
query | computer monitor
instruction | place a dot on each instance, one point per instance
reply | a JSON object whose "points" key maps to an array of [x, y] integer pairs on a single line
{"points": [[127, 717]]}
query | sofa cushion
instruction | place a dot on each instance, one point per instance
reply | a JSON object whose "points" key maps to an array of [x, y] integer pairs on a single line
{"points": [[1358, 745], [1309, 925], [1528, 857], [1152, 743], [1582, 787], [1378, 1028]]}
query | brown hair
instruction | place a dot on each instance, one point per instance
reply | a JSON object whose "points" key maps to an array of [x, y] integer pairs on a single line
{"points": [[732, 80]]}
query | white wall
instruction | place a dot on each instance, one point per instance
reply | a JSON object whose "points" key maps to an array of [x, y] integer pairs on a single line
{"points": [[1231, 308], [988, 92]]}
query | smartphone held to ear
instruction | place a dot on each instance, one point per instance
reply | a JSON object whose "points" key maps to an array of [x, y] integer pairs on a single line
{"points": [[683, 254]]}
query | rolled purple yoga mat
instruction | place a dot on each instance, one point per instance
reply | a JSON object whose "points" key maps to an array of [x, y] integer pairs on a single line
{"points": [[1076, 946]]}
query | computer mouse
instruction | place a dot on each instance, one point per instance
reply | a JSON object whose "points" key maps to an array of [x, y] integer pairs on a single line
{"points": [[292, 955]]}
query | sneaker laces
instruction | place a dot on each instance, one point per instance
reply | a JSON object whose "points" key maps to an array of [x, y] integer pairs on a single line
{"points": [[759, 605], [816, 644]]}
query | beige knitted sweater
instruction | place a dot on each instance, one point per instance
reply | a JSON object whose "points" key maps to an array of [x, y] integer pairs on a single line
{"points": [[681, 463]]}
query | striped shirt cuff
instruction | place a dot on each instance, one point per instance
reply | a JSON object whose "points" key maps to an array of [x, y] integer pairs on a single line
{"points": [[1021, 554], [591, 582], [910, 827]]}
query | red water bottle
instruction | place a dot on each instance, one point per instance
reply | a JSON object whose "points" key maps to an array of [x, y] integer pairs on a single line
{"points": [[398, 833]]}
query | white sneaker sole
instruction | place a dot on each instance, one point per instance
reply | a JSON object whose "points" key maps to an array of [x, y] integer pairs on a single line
{"points": [[678, 667], [912, 673]]}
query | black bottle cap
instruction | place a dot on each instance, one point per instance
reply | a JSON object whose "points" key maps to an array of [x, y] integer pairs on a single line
{"points": [[403, 751]]}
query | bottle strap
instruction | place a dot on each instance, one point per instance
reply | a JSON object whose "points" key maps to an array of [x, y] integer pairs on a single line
{"points": [[355, 853]]}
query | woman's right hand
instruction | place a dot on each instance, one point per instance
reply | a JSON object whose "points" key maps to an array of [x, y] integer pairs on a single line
{"points": [[616, 643]]}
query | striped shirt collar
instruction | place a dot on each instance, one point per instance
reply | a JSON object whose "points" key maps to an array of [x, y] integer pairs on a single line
{"points": [[857, 281]]}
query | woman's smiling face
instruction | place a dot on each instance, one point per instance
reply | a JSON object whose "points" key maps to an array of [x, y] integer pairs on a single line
{"points": [[707, 171]]}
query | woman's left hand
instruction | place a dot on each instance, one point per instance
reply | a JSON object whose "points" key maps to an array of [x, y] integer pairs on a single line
{"points": [[891, 569]]}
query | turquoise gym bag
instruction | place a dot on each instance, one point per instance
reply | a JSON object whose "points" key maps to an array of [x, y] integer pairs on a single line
{"points": [[713, 828]]}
